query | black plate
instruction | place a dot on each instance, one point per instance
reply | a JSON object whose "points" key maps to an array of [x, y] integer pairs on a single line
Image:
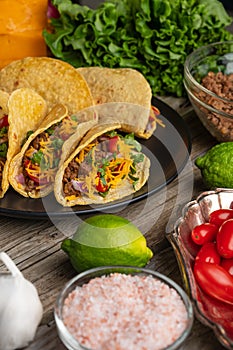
{"points": [[168, 150]]}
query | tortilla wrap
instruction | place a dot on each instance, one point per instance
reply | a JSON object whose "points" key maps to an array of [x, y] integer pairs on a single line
{"points": [[123, 85], [56, 81], [25, 110], [33, 169], [84, 177]]}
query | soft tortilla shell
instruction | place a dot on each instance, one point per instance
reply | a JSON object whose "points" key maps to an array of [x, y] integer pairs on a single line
{"points": [[122, 191], [56, 114], [26, 110], [56, 81], [127, 87], [4, 97]]}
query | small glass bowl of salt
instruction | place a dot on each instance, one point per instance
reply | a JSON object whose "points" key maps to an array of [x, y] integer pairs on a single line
{"points": [[122, 307]]}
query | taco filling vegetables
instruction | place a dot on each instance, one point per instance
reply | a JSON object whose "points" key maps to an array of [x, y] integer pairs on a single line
{"points": [[4, 125], [152, 120], [103, 165], [41, 159]]}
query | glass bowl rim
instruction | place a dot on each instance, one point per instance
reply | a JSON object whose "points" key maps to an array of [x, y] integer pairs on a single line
{"points": [[189, 76], [187, 281], [207, 106]]}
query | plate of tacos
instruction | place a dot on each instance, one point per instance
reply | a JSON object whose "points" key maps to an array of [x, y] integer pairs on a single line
{"points": [[96, 139]]}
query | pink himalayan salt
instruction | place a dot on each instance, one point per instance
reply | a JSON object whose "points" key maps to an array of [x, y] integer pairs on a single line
{"points": [[124, 312]]}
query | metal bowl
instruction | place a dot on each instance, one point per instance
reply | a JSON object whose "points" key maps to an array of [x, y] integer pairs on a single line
{"points": [[213, 313]]}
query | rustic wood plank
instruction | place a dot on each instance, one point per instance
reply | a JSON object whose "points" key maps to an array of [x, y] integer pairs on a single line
{"points": [[35, 245]]}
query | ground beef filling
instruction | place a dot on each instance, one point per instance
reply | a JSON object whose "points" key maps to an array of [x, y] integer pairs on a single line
{"points": [[2, 163], [70, 173], [75, 170], [30, 184], [222, 85]]}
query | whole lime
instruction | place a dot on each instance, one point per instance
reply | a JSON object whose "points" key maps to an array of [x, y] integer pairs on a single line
{"points": [[106, 239], [217, 165]]}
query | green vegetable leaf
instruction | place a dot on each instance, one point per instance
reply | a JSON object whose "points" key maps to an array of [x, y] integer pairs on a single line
{"points": [[3, 149], [153, 36], [129, 140], [3, 131], [38, 157], [74, 118], [137, 157], [57, 143]]}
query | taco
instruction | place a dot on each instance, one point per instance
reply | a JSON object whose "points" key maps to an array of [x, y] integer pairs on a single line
{"points": [[124, 85], [4, 125], [20, 112], [33, 169], [56, 81], [106, 166]]}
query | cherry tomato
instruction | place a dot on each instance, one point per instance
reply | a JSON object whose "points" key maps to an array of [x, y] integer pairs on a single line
{"points": [[214, 280], [203, 233], [218, 216], [227, 264], [4, 121], [225, 239], [36, 179], [100, 187], [208, 253], [112, 144]]}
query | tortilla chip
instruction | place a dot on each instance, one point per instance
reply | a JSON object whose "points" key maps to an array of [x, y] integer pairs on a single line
{"points": [[4, 97], [26, 110], [56, 81], [123, 190], [129, 94], [85, 120]]}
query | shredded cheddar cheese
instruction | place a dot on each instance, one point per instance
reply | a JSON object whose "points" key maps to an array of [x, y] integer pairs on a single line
{"points": [[44, 172], [71, 198], [117, 170], [80, 157], [29, 152], [106, 171]]}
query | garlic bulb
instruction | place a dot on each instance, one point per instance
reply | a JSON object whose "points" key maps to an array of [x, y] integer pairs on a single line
{"points": [[20, 308]]}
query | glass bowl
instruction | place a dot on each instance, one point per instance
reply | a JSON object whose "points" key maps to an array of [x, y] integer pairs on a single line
{"points": [[211, 97], [211, 312], [84, 278]]}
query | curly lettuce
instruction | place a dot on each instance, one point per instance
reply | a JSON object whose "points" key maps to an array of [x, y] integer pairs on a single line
{"points": [[152, 36]]}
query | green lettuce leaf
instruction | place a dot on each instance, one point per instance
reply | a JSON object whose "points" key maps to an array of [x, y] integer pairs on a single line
{"points": [[153, 36]]}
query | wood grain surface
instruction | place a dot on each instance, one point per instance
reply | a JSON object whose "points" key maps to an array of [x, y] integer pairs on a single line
{"points": [[34, 245]]}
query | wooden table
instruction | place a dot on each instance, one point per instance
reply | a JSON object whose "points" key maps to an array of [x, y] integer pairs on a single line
{"points": [[34, 245]]}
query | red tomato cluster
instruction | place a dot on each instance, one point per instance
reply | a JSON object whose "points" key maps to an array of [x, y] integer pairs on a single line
{"points": [[213, 266]]}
